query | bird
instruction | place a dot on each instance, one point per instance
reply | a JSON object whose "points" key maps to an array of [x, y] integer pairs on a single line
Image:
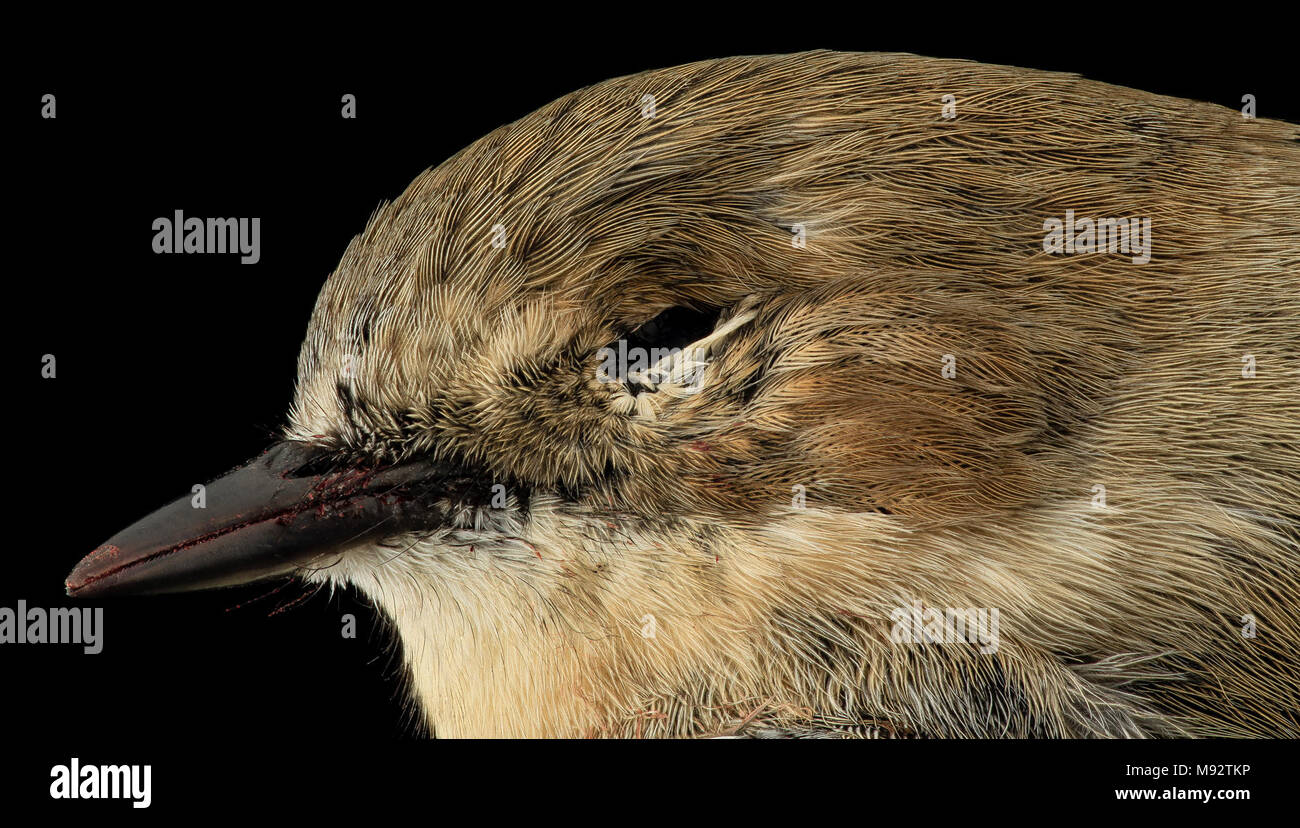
{"points": [[690, 403]]}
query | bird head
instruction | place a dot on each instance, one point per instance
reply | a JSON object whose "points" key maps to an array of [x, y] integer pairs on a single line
{"points": [[643, 420]]}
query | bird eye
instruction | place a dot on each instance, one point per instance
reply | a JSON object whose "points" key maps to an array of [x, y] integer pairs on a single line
{"points": [[676, 327], [636, 358]]}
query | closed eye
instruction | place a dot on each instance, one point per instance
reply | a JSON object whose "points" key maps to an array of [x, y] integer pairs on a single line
{"points": [[670, 353], [675, 327], [645, 346]]}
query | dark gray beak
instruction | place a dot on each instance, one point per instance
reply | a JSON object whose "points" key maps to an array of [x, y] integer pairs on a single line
{"points": [[268, 518]]}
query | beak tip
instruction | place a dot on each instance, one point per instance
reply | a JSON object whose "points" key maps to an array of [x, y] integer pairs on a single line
{"points": [[90, 569], [74, 584]]}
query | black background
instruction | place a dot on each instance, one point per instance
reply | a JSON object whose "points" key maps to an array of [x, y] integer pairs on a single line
{"points": [[172, 369]]}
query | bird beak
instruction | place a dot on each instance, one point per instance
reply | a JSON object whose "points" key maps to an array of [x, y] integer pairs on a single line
{"points": [[262, 520]]}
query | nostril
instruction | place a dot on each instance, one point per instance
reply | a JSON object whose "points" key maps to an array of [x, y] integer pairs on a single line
{"points": [[317, 465]]}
